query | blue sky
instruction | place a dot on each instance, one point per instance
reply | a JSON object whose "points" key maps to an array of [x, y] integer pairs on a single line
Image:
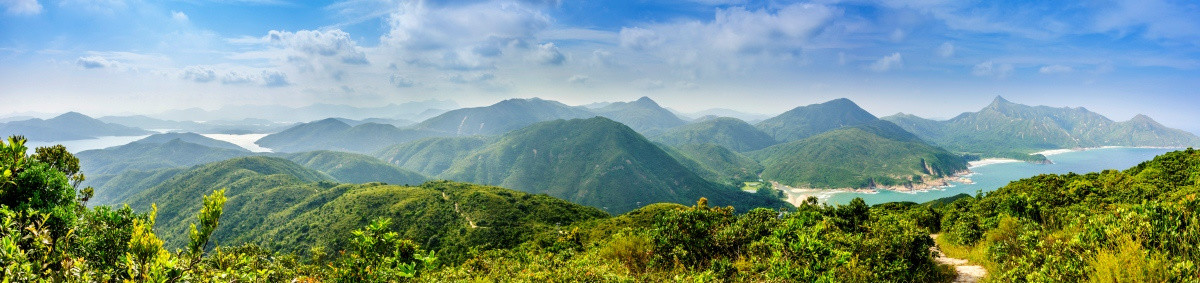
{"points": [[933, 58]]}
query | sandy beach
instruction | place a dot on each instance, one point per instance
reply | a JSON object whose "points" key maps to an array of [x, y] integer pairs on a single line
{"points": [[990, 161]]}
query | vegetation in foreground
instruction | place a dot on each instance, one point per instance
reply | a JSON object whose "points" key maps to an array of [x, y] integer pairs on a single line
{"points": [[1139, 224]]}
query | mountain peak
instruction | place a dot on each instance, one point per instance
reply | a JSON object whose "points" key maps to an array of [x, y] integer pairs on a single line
{"points": [[645, 99], [1000, 100], [1140, 118], [71, 116]]}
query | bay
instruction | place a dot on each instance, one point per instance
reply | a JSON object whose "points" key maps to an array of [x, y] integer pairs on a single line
{"points": [[993, 176]]}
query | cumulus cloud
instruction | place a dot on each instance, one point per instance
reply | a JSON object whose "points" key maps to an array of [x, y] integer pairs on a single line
{"points": [[946, 50], [462, 37], [21, 7], [578, 79], [470, 78], [401, 81], [992, 69], [237, 78], [1055, 69], [548, 54], [271, 78], [887, 63], [95, 62], [638, 38], [199, 74], [333, 43], [179, 16]]}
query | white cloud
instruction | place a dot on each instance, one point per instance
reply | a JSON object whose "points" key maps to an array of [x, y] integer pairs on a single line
{"points": [[21, 7], [548, 54], [95, 62], [271, 78], [1156, 19], [237, 78], [946, 50], [578, 79], [464, 37], [333, 43], [992, 69], [401, 81], [199, 74], [638, 38], [179, 16], [1055, 69], [887, 63]]}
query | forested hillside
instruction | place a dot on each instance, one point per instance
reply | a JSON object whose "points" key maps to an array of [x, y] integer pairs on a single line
{"points": [[276, 221]]}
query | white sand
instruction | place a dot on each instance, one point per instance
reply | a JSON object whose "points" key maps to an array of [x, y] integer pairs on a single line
{"points": [[990, 161]]}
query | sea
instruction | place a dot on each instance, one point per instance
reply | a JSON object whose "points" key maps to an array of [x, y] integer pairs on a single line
{"points": [[993, 176], [75, 146]]}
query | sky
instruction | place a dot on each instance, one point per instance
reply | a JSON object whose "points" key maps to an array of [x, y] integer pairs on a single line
{"points": [[932, 58]]}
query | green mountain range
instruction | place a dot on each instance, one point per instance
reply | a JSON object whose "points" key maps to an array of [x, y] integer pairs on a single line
{"points": [[643, 115], [191, 138], [355, 168], [501, 117], [431, 156], [68, 126], [806, 121], [875, 154], [730, 133], [596, 162], [716, 163], [334, 134], [150, 154], [1006, 129]]}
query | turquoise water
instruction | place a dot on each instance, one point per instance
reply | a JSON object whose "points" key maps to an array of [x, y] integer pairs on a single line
{"points": [[991, 177]]}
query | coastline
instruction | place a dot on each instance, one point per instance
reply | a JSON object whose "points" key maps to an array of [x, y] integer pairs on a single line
{"points": [[1050, 152], [990, 161], [797, 195]]}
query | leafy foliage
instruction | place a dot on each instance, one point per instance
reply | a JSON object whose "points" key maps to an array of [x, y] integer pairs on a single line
{"points": [[1140, 224]]}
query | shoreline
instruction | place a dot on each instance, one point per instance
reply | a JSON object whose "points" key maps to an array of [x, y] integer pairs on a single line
{"points": [[797, 195], [990, 161], [1050, 152]]}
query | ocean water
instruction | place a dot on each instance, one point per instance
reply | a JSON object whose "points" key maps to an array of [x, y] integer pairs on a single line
{"points": [[75, 146], [991, 177]]}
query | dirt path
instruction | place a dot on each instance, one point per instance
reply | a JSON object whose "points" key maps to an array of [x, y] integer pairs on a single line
{"points": [[966, 272]]}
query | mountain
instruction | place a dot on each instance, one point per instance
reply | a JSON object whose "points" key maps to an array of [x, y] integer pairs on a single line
{"points": [[447, 217], [354, 168], [723, 112], [1006, 129], [178, 198], [149, 155], [715, 163], [430, 156], [334, 134], [596, 162], [281, 205], [643, 115], [68, 126], [730, 133], [501, 117], [190, 138], [806, 121], [876, 154], [116, 189], [307, 133]]}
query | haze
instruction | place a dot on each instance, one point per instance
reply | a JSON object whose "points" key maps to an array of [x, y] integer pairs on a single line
{"points": [[930, 58]]}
